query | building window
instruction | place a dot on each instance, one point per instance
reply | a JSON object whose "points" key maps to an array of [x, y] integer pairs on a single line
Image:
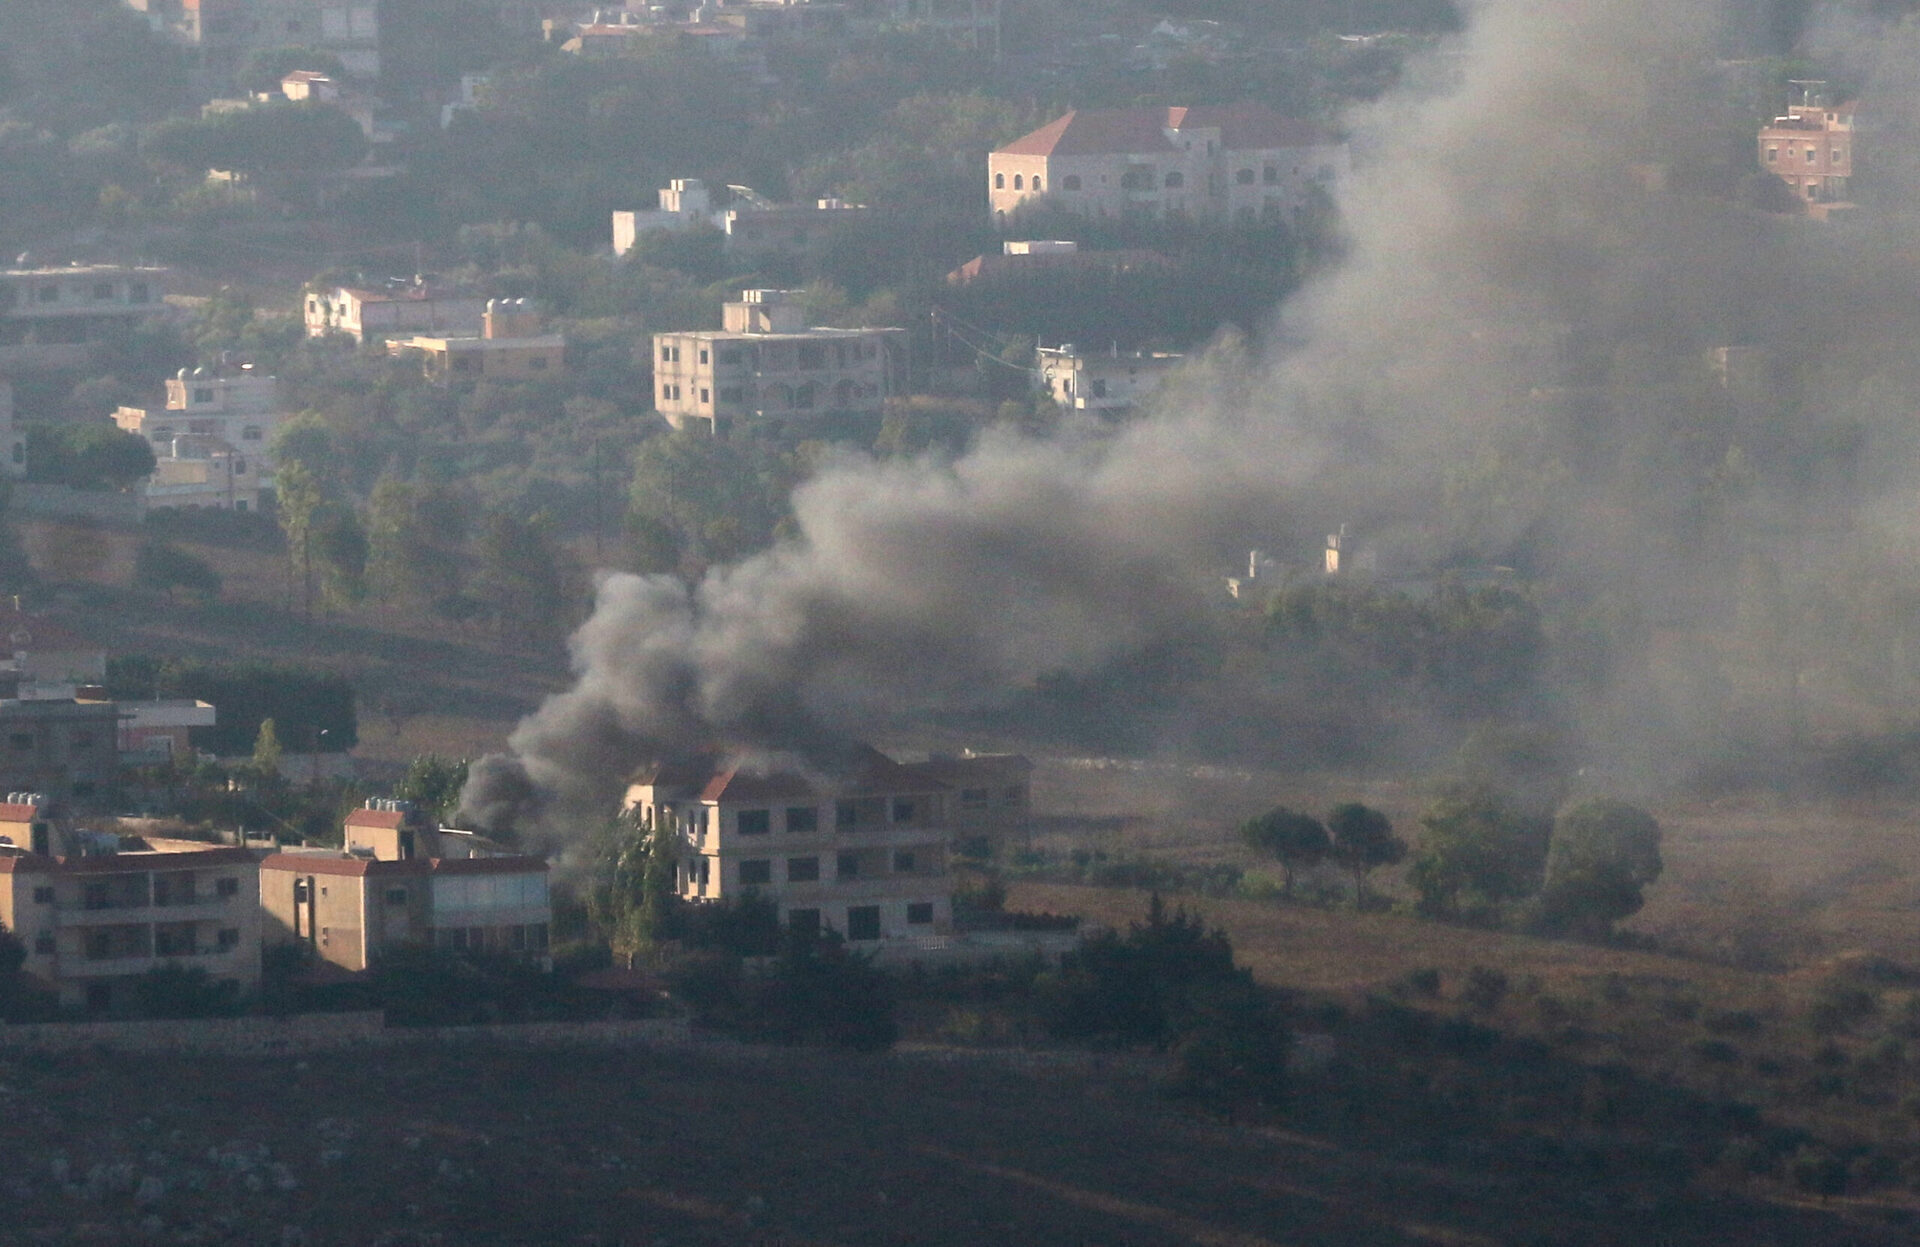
{"points": [[704, 396], [1071, 182], [1270, 175], [250, 434], [396, 896], [666, 355], [48, 294], [999, 181], [1015, 792], [974, 796], [703, 354], [229, 937], [43, 896], [903, 862], [43, 944], [803, 869], [802, 820], [1176, 180], [756, 872], [920, 914], [903, 809], [227, 887], [1140, 179], [203, 394], [1036, 181], [1839, 154], [1244, 177], [1812, 154], [1773, 155], [845, 813], [755, 822], [137, 292], [863, 922], [847, 866]]}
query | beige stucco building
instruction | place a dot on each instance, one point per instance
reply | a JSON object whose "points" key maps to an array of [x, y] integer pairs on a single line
{"points": [[211, 442], [392, 888], [106, 911], [767, 370], [1110, 382], [365, 315], [510, 347], [1238, 162], [864, 854], [51, 317]]}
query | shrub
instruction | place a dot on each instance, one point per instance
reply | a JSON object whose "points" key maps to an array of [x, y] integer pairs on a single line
{"points": [[1484, 989], [1817, 1171], [1838, 1003], [1425, 981]]}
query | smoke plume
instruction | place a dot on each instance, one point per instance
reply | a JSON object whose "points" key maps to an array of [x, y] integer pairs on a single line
{"points": [[1508, 358]]}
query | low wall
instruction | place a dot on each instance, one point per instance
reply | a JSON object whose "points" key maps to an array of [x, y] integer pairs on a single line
{"points": [[64, 502], [320, 1032]]}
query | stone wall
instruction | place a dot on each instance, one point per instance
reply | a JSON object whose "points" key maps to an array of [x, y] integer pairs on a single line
{"points": [[319, 1032]]}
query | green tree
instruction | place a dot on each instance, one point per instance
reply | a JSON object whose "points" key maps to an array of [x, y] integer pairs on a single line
{"points": [[521, 576], [266, 749], [1298, 841], [13, 955], [1603, 856], [1363, 841], [161, 567], [702, 493], [90, 455], [632, 896], [433, 784], [1478, 851], [340, 552], [297, 500]]}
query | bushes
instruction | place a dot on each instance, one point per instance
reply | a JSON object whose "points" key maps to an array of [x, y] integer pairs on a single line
{"points": [[815, 991]]}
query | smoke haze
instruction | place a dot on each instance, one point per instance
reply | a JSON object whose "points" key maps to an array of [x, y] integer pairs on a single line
{"points": [[1508, 365]]}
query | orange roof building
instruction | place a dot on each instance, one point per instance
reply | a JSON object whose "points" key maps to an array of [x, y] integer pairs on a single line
{"points": [[1239, 162], [1813, 150]]}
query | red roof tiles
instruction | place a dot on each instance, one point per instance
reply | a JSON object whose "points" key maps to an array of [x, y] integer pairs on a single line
{"points": [[1126, 131]]}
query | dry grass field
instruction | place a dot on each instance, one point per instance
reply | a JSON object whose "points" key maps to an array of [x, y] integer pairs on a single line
{"points": [[458, 1146]]}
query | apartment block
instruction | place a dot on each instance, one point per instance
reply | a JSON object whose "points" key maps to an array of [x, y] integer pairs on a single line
{"points": [[224, 31], [51, 317], [390, 888], [1813, 149], [108, 910], [1241, 162], [864, 853], [67, 748], [368, 314], [766, 370]]}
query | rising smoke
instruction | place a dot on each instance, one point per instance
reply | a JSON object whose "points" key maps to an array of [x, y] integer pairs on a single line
{"points": [[1509, 359]]}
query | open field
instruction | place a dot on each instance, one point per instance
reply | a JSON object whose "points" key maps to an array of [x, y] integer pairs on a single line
{"points": [[432, 1145]]}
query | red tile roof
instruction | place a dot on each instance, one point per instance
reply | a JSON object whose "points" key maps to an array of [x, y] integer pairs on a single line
{"points": [[1243, 127]]}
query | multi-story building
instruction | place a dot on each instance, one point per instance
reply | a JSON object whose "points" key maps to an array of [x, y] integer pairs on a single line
{"points": [[1813, 149], [1238, 162], [990, 800], [391, 889], [211, 442], [41, 659], [1110, 382], [864, 854], [67, 748], [363, 314], [107, 910], [51, 317], [767, 370], [224, 31], [510, 347]]}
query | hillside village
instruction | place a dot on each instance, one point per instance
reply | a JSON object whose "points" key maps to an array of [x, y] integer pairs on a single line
{"points": [[1284, 563]]}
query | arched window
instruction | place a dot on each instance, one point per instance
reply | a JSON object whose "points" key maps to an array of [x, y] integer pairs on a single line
{"points": [[1036, 181], [999, 181], [1244, 177], [1016, 181], [1175, 180], [1071, 182]]}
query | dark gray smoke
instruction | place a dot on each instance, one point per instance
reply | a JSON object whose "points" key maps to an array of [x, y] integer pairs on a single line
{"points": [[1505, 359]]}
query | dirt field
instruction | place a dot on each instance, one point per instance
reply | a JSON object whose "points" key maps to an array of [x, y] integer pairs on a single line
{"points": [[437, 1146]]}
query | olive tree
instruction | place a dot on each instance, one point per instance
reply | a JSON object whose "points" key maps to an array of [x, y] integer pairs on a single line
{"points": [[1603, 856], [1298, 840]]}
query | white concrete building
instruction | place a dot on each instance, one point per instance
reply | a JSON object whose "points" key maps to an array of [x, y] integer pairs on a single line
{"points": [[212, 442], [1111, 382], [363, 314], [1241, 162], [51, 316], [767, 370]]}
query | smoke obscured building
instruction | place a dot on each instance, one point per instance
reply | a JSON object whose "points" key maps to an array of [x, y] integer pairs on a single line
{"points": [[863, 852], [1813, 149]]}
